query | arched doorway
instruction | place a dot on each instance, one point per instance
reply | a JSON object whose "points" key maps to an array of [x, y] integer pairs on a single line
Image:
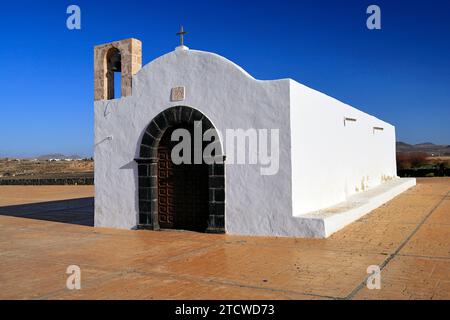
{"points": [[183, 196]]}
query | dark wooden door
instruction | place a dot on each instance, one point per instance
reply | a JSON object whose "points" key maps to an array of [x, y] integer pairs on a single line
{"points": [[166, 206], [182, 191]]}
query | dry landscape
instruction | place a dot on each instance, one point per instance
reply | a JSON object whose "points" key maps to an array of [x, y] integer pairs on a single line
{"points": [[44, 168]]}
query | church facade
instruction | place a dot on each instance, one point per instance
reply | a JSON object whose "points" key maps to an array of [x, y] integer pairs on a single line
{"points": [[325, 163]]}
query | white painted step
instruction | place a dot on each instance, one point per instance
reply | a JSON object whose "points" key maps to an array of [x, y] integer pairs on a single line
{"points": [[323, 223]]}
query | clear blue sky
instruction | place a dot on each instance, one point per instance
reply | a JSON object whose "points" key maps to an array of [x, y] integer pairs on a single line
{"points": [[400, 74]]}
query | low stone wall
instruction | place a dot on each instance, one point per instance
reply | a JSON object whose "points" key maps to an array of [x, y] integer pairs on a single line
{"points": [[419, 172], [48, 181]]}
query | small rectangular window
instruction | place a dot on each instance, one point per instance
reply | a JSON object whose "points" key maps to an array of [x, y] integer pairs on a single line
{"points": [[348, 119], [377, 129]]}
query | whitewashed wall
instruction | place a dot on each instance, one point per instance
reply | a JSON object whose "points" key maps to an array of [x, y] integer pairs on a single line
{"points": [[230, 98], [328, 160], [332, 161]]}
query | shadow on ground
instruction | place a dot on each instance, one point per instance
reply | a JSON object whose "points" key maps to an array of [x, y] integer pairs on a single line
{"points": [[74, 211]]}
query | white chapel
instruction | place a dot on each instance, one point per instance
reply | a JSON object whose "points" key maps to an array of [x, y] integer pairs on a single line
{"points": [[319, 163]]}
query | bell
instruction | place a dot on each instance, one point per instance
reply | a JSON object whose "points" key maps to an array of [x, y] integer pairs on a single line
{"points": [[115, 62]]}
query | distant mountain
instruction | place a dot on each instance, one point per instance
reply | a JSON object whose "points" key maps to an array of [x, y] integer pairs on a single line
{"points": [[58, 156], [402, 146], [424, 144], [427, 147]]}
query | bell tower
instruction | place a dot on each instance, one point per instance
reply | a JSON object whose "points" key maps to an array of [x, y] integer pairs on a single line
{"points": [[124, 56]]}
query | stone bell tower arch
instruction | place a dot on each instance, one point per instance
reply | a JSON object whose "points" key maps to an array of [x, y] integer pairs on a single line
{"points": [[123, 56]]}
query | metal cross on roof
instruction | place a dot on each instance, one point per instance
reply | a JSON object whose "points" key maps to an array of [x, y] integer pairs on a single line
{"points": [[181, 33]]}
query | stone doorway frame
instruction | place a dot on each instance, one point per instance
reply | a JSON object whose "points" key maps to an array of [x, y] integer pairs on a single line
{"points": [[148, 169]]}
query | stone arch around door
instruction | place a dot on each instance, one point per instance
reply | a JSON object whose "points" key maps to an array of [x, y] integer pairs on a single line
{"points": [[179, 116]]}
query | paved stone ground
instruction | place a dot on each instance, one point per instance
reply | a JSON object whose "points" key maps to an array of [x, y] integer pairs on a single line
{"points": [[409, 238]]}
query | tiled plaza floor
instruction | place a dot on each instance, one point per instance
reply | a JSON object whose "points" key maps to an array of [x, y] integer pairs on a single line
{"points": [[44, 229]]}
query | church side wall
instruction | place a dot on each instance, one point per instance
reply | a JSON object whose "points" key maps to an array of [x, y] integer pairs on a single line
{"points": [[333, 158]]}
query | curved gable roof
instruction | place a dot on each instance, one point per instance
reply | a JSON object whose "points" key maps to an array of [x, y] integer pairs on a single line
{"points": [[203, 57]]}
